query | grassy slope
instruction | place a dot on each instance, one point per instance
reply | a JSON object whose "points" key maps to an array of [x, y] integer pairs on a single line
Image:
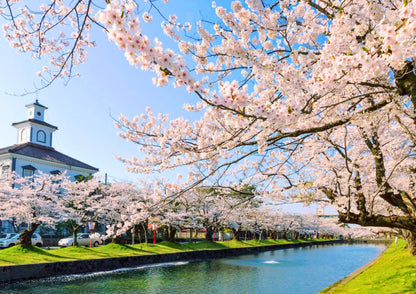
{"points": [[394, 272], [18, 255]]}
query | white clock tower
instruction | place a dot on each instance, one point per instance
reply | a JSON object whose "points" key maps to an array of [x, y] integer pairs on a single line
{"points": [[34, 154], [35, 129]]}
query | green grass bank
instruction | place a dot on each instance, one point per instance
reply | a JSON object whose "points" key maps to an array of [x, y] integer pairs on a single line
{"points": [[17, 255], [393, 272]]}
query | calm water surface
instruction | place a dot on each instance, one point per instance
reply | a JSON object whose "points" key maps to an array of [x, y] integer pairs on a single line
{"points": [[301, 270]]}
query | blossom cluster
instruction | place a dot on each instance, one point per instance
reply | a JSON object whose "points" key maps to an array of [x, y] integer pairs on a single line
{"points": [[45, 34], [308, 100]]}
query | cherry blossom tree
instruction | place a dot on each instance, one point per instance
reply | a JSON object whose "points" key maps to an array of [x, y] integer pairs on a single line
{"points": [[33, 200], [118, 207], [82, 203], [237, 208], [308, 100]]}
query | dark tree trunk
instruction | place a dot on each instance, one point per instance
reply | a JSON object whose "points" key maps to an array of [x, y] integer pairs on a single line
{"points": [[25, 238], [209, 233], [406, 81], [236, 234], [295, 235], [165, 234], [171, 232], [410, 238], [139, 234], [74, 235], [145, 232], [118, 240], [135, 232]]}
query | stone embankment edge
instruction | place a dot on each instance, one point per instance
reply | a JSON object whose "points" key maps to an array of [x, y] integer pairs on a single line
{"points": [[16, 273]]}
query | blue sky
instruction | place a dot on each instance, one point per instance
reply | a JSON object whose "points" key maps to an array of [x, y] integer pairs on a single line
{"points": [[82, 109]]}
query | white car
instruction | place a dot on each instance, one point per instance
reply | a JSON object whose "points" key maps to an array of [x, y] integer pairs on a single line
{"points": [[7, 235], [36, 240], [83, 239]]}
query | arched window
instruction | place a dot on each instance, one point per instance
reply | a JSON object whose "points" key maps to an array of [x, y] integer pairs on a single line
{"points": [[24, 134], [41, 136]]}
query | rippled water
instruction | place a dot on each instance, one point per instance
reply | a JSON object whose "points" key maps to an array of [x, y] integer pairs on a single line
{"points": [[300, 270]]}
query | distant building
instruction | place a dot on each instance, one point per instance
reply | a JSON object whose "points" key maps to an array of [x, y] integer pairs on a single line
{"points": [[34, 153], [320, 212]]}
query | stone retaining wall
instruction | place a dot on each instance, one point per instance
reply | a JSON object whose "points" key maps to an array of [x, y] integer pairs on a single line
{"points": [[14, 273]]}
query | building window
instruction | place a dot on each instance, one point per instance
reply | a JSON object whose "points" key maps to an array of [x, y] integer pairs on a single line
{"points": [[56, 173], [41, 136], [5, 169], [24, 135], [28, 171]]}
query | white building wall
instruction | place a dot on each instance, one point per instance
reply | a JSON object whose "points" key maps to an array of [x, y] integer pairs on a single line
{"points": [[36, 112], [48, 137], [23, 133], [47, 168]]}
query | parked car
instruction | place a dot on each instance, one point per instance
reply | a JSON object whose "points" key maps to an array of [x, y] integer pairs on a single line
{"points": [[7, 235], [126, 239], [36, 240], [83, 239]]}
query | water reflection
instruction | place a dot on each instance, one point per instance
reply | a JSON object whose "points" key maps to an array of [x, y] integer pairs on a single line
{"points": [[303, 270]]}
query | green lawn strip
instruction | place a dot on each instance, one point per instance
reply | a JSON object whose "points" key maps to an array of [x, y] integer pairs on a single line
{"points": [[393, 272], [18, 255]]}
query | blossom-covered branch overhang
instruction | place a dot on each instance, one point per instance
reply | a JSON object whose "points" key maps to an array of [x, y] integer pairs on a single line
{"points": [[299, 97]]}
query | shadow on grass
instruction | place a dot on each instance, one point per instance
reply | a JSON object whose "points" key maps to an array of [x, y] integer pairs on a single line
{"points": [[79, 252], [173, 245], [31, 249], [19, 255], [113, 249], [4, 262], [163, 247], [206, 245]]}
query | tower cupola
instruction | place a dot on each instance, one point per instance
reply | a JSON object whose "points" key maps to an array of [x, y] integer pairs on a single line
{"points": [[35, 129], [36, 111]]}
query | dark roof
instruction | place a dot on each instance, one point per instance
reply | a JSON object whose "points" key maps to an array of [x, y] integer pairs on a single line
{"points": [[35, 121], [37, 103], [44, 153]]}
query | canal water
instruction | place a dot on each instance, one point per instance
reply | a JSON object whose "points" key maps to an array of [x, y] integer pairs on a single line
{"points": [[297, 270]]}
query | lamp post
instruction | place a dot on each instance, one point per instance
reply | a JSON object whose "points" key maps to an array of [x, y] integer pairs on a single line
{"points": [[154, 233], [91, 226]]}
